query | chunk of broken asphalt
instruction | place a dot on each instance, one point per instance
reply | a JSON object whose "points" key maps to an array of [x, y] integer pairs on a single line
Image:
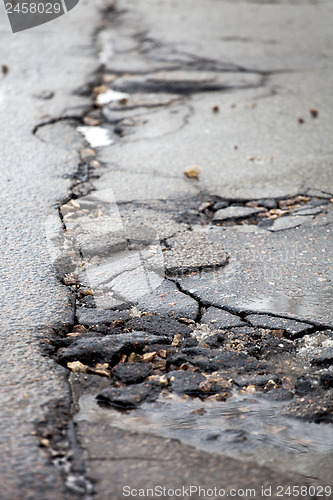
{"points": [[268, 203], [326, 381], [257, 380], [94, 316], [169, 301], [292, 328], [315, 408], [130, 396], [323, 357], [303, 385], [107, 349], [159, 325], [226, 360], [308, 211], [221, 204], [132, 373], [219, 319], [228, 213], [191, 355], [195, 384], [215, 341], [278, 394], [191, 251], [270, 346], [186, 382], [288, 222]]}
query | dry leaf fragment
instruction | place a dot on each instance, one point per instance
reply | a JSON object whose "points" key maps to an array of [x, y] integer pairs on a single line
{"points": [[176, 340], [73, 334], [161, 379], [277, 333], [80, 329], [100, 369], [149, 356], [287, 383], [102, 373], [65, 209], [77, 367], [187, 321], [186, 367], [160, 364], [101, 89], [192, 172], [4, 69], [270, 385], [87, 153], [108, 78], [275, 429], [205, 205], [199, 411], [134, 357], [74, 203], [95, 164], [102, 366], [70, 279], [218, 397], [90, 121]]}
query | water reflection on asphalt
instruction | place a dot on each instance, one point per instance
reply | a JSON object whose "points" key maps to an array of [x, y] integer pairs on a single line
{"points": [[245, 427]]}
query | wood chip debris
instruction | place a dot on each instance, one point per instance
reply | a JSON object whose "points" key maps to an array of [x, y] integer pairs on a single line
{"points": [[192, 172]]}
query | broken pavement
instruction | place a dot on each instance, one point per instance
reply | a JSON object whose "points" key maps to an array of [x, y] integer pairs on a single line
{"points": [[236, 301]]}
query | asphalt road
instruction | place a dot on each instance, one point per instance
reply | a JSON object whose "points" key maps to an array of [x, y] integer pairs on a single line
{"points": [[53, 58], [240, 89]]}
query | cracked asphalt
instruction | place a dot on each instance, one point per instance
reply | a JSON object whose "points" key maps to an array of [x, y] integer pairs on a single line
{"points": [[161, 328]]}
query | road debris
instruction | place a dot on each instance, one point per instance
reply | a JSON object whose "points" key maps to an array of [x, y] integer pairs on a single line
{"points": [[192, 172]]}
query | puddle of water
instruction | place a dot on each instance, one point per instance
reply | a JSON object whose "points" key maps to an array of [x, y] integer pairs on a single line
{"points": [[111, 96], [97, 137], [244, 427], [303, 305]]}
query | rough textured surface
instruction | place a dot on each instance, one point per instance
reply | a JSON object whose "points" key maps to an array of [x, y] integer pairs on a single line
{"points": [[220, 319], [284, 273], [141, 461], [234, 213], [245, 97], [181, 259], [34, 302], [129, 397], [168, 300], [293, 328]]}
